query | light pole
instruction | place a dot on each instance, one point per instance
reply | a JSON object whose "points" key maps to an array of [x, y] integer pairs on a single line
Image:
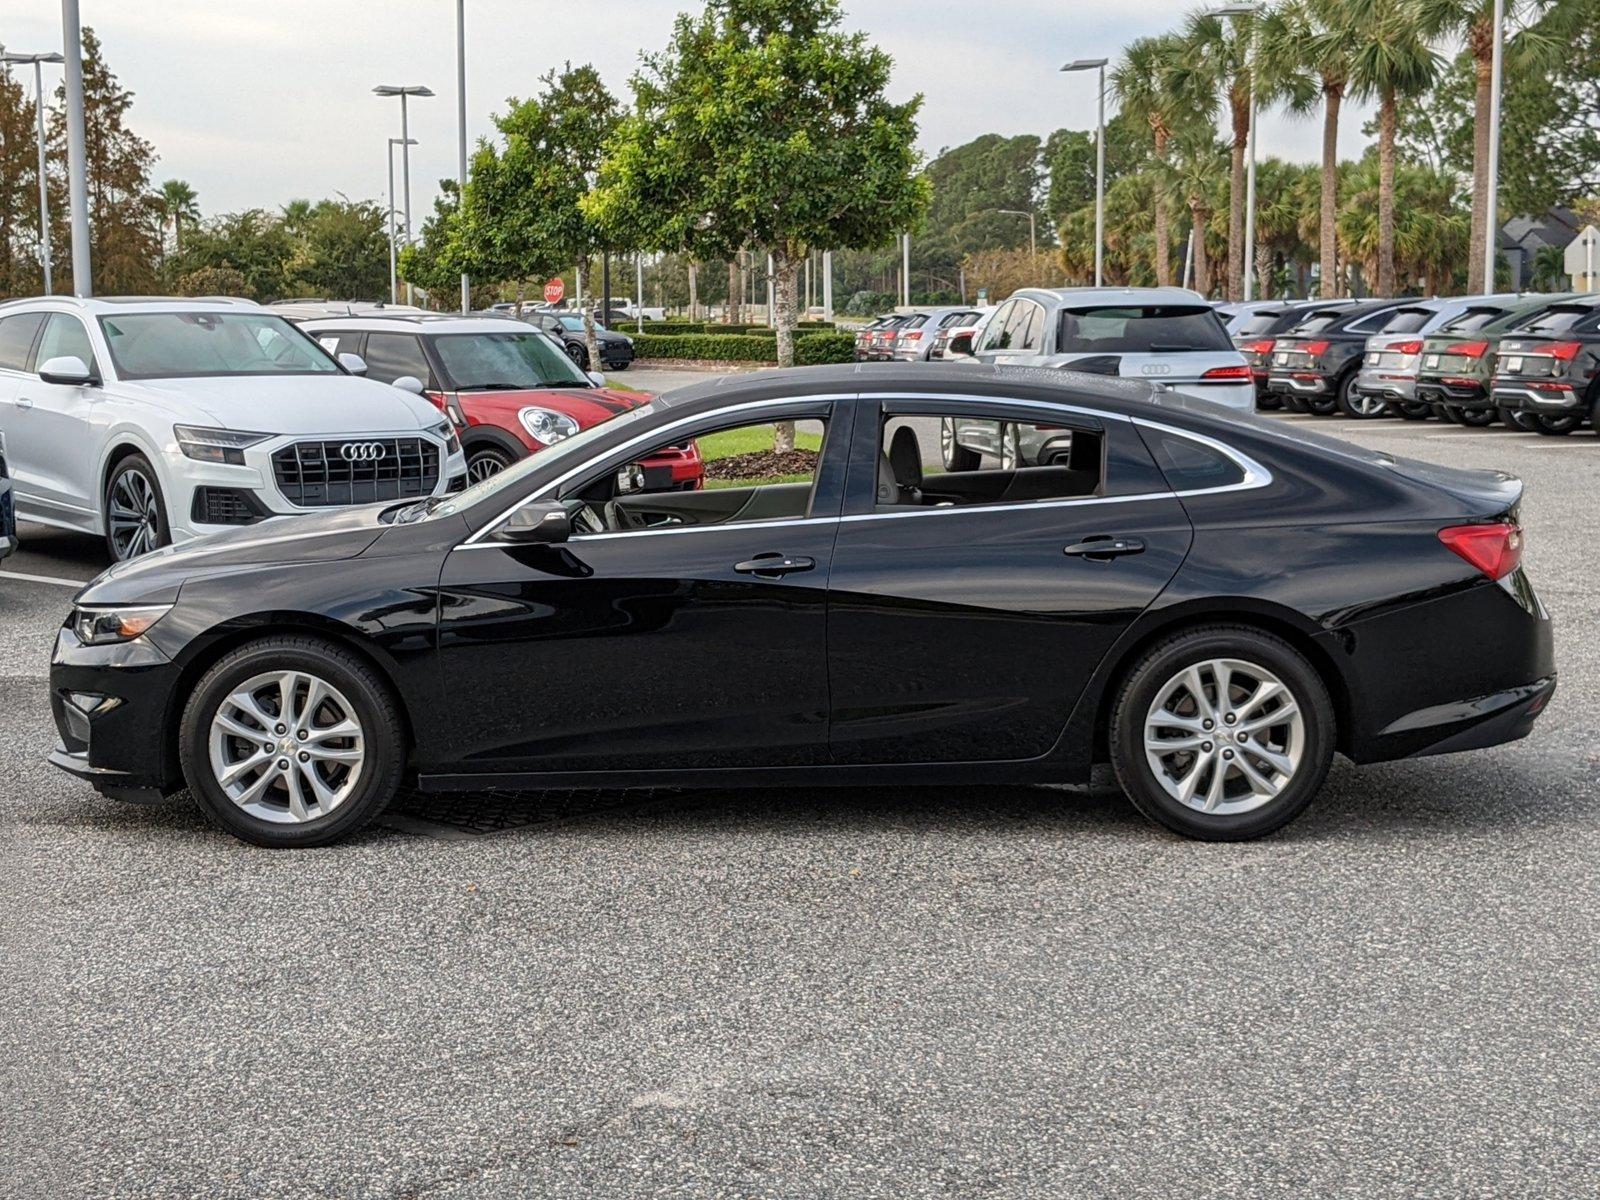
{"points": [[38, 61], [389, 89], [1097, 64], [827, 285], [461, 131], [77, 156], [1248, 10], [394, 279], [1491, 231], [1033, 230]]}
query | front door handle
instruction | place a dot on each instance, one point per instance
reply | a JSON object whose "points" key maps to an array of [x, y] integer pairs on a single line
{"points": [[1105, 547], [24, 402], [773, 565]]}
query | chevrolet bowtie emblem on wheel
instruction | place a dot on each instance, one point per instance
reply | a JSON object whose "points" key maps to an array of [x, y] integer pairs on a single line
{"points": [[362, 451], [1156, 369]]}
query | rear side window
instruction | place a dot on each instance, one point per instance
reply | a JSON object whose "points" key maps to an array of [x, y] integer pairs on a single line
{"points": [[393, 355], [1141, 330], [961, 461], [1564, 320], [1407, 320], [1189, 465], [1472, 319], [16, 338]]}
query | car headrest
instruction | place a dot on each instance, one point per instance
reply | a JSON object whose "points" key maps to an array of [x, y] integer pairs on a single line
{"points": [[905, 457]]}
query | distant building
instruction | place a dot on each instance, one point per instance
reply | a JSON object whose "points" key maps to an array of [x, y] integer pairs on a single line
{"points": [[1523, 237]]}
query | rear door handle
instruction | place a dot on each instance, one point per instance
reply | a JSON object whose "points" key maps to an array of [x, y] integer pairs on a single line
{"points": [[774, 565], [1105, 546], [24, 402]]}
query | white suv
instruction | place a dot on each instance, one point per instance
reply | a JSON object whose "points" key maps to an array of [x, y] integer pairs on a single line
{"points": [[151, 421]]}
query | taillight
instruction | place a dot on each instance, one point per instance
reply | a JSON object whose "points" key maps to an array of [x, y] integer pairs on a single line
{"points": [[1239, 372], [1407, 348], [914, 336], [1317, 349], [1468, 349], [1264, 346], [1496, 550], [1564, 351]]}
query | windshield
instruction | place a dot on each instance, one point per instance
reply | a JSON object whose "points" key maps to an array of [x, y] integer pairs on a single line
{"points": [[187, 345], [478, 361], [1164, 330], [567, 451], [568, 321], [1407, 320], [1563, 320], [1473, 319]]}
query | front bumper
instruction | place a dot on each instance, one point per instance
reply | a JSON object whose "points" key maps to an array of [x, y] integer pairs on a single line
{"points": [[110, 709], [614, 354]]}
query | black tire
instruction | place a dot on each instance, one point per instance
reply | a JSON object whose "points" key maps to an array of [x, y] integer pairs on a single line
{"points": [[1554, 426], [1446, 413], [486, 460], [1293, 403], [578, 354], [1350, 400], [133, 476], [1478, 418], [1414, 410], [956, 458], [1266, 401], [373, 706], [1515, 418], [617, 366], [1160, 664]]}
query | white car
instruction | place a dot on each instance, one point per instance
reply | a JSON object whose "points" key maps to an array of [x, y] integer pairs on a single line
{"points": [[1167, 336], [150, 421]]}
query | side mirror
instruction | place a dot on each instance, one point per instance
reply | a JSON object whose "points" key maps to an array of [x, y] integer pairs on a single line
{"points": [[353, 363], [960, 346], [68, 369], [597, 379], [541, 524], [409, 383]]}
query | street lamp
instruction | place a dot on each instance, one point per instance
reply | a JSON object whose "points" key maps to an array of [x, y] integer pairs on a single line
{"points": [[1033, 232], [1097, 64], [389, 89], [38, 61], [394, 278], [1248, 10], [77, 147], [461, 131], [1491, 240]]}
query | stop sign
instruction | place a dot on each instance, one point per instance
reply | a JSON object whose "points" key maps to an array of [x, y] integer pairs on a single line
{"points": [[553, 291]]}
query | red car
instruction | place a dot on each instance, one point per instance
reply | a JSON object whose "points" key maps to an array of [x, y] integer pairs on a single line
{"points": [[511, 389]]}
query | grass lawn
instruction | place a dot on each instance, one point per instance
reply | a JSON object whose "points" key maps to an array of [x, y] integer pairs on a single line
{"points": [[752, 439]]}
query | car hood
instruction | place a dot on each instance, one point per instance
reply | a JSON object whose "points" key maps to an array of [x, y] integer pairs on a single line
{"points": [[586, 406], [155, 578], [293, 404]]}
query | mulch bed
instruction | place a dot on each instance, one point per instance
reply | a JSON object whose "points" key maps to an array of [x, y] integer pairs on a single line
{"points": [[763, 465]]}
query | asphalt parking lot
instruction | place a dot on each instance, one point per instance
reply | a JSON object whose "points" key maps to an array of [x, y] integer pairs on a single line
{"points": [[1024, 992]]}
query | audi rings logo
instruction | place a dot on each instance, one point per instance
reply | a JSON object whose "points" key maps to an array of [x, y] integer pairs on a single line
{"points": [[362, 451], [1156, 369]]}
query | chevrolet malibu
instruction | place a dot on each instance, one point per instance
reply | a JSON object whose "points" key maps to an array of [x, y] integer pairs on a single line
{"points": [[1212, 603]]}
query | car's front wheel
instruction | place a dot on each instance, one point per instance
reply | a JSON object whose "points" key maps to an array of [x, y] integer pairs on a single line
{"points": [[292, 741], [579, 355], [484, 461], [136, 515], [956, 457], [1222, 733]]}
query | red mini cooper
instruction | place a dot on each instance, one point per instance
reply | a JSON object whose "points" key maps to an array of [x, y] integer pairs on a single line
{"points": [[510, 389]]}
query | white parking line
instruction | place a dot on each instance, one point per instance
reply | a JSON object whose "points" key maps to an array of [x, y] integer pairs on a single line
{"points": [[71, 583]]}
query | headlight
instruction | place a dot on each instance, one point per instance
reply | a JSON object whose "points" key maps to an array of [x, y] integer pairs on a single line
{"points": [[107, 626], [546, 425], [216, 445], [447, 431]]}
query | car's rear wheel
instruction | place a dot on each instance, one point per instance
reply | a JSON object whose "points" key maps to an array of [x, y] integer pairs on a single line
{"points": [[1556, 426], [1266, 400], [136, 515], [486, 461], [955, 456], [1478, 418], [1326, 406], [1354, 403], [1222, 733], [292, 741], [1515, 418], [1414, 410]]}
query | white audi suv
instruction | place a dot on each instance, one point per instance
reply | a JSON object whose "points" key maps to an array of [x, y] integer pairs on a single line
{"points": [[150, 421]]}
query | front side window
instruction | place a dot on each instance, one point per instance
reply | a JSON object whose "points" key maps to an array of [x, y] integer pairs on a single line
{"points": [[16, 339], [391, 356], [188, 345], [488, 361], [65, 337], [1164, 329], [959, 461]]}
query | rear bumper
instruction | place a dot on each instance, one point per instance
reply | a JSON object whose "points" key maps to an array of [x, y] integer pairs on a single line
{"points": [[1299, 383], [1504, 716], [1553, 398], [1434, 391], [1387, 385]]}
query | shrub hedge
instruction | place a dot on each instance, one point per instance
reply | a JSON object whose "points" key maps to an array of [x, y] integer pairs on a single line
{"points": [[810, 349]]}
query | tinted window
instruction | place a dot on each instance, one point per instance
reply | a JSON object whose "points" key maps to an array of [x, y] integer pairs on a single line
{"points": [[1316, 322], [1032, 335], [1258, 323], [1141, 330], [954, 319], [16, 338], [916, 322], [1473, 318], [1373, 323], [1563, 319], [994, 333], [1407, 320], [941, 462], [1189, 465], [65, 336], [187, 345], [391, 355], [337, 343]]}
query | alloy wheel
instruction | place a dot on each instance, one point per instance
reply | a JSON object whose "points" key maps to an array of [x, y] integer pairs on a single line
{"points": [[1224, 736], [287, 747], [482, 466], [135, 515]]}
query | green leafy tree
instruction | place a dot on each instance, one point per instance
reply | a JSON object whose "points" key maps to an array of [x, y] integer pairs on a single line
{"points": [[177, 204], [340, 249], [1149, 92], [763, 122], [1430, 234], [253, 242], [1216, 64], [436, 260], [1199, 175], [20, 274]]}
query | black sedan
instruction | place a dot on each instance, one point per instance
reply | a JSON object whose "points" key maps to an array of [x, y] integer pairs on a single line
{"points": [[1211, 602]]}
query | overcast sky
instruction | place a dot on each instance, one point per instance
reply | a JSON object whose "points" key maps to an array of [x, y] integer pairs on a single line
{"points": [[255, 102]]}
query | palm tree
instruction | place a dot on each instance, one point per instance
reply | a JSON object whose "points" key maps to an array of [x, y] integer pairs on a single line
{"points": [[1194, 180], [1142, 83], [177, 202], [1390, 59], [1215, 63]]}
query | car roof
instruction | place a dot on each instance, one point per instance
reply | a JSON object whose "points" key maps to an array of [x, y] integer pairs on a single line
{"points": [[418, 322], [96, 305], [1103, 295]]}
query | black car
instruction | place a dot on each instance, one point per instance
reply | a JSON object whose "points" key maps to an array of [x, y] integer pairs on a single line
{"points": [[1212, 602], [1254, 327], [616, 349], [8, 512], [1316, 360], [1549, 368]]}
